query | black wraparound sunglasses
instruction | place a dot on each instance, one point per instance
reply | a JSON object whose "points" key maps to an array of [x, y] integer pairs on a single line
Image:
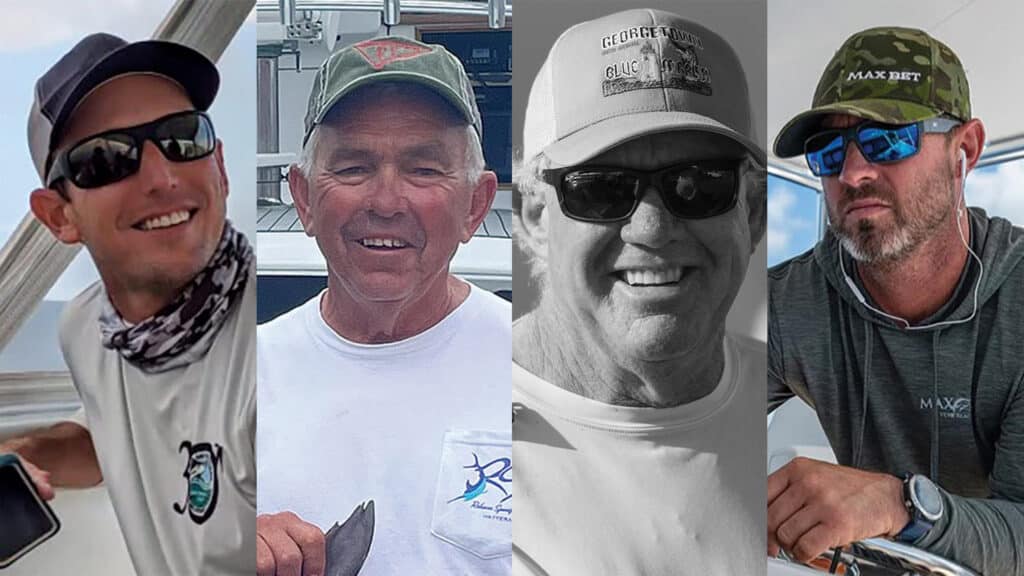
{"points": [[111, 156], [691, 190]]}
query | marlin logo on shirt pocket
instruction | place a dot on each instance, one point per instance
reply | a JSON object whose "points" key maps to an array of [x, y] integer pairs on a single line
{"points": [[473, 497], [499, 476]]}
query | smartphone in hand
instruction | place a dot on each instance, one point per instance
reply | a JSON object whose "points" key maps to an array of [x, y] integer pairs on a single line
{"points": [[26, 520]]}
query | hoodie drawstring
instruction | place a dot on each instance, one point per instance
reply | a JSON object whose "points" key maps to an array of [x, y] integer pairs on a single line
{"points": [[859, 447], [933, 469], [933, 451]]}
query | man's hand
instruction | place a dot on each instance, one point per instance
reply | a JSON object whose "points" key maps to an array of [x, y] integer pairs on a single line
{"points": [[814, 506], [40, 478], [64, 451], [286, 545]]}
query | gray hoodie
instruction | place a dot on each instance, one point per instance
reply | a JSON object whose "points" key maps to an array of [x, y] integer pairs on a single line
{"points": [[947, 401]]}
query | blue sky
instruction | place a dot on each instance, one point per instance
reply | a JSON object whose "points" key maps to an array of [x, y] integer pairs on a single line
{"points": [[35, 33], [792, 219]]}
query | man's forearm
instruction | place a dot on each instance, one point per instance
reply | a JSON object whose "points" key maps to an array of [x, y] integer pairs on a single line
{"points": [[64, 450], [984, 534]]}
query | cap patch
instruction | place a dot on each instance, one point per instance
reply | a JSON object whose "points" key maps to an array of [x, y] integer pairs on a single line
{"points": [[380, 53], [653, 57]]}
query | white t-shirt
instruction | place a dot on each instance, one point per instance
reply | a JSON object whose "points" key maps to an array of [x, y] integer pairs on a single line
{"points": [[420, 426], [176, 448], [604, 489]]}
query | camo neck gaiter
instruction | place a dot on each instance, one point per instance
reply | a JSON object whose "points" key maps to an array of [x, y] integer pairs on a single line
{"points": [[184, 330]]}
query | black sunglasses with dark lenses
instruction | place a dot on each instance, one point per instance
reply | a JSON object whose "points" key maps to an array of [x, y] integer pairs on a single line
{"points": [[114, 155], [879, 143], [692, 191]]}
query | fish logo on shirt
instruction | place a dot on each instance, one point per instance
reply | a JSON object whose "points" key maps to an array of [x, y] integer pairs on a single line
{"points": [[201, 475], [497, 473]]}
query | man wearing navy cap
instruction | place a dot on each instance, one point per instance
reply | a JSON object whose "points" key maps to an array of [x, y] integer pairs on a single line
{"points": [[161, 350]]}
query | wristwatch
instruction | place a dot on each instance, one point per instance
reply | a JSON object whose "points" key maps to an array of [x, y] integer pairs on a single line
{"points": [[924, 504]]}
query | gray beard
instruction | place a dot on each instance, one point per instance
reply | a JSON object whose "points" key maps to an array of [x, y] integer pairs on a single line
{"points": [[869, 245], [892, 248]]}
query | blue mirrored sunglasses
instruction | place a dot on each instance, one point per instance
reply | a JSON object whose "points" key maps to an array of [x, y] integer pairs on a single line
{"points": [[879, 143]]}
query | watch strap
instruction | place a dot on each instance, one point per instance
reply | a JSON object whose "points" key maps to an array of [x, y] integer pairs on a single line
{"points": [[914, 530], [918, 525]]}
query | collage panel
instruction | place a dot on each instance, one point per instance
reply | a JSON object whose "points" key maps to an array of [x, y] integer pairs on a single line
{"points": [[895, 316], [384, 255], [347, 262], [638, 345], [127, 372]]}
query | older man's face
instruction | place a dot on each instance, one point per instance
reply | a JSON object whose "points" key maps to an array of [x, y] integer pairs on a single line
{"points": [[593, 268], [389, 199]]}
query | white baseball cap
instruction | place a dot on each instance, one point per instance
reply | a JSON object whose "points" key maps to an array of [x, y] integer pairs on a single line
{"points": [[631, 74]]}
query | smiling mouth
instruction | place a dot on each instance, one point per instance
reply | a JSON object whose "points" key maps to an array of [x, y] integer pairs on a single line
{"points": [[651, 277], [165, 221], [382, 243]]}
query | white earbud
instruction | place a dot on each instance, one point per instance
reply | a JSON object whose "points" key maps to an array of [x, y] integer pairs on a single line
{"points": [[963, 181]]}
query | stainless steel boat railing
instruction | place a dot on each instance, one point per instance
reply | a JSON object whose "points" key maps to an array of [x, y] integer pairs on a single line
{"points": [[889, 554], [895, 557]]}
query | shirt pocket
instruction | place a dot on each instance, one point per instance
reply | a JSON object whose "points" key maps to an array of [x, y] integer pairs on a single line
{"points": [[473, 499]]}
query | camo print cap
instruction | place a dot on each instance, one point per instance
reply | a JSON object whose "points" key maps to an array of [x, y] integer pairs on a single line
{"points": [[893, 75]]}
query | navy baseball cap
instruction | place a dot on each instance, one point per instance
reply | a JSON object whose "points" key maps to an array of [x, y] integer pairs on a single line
{"points": [[96, 59]]}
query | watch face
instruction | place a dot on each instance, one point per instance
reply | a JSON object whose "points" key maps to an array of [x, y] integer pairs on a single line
{"points": [[926, 497]]}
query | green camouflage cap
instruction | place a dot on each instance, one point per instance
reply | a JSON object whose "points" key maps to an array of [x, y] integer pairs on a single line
{"points": [[892, 75], [391, 59]]}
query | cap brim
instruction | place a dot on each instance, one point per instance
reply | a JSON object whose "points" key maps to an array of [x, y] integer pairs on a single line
{"points": [[790, 141], [442, 89], [196, 74], [595, 139]]}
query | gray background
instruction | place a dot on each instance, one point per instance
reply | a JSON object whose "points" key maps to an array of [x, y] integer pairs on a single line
{"points": [[743, 23]]}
